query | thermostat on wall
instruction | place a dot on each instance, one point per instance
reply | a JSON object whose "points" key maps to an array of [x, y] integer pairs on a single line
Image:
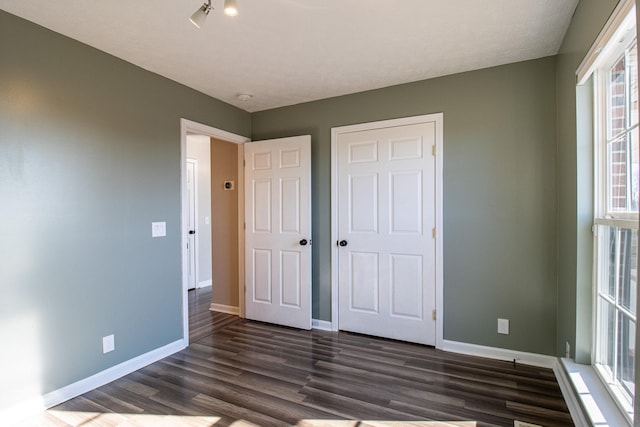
{"points": [[229, 185]]}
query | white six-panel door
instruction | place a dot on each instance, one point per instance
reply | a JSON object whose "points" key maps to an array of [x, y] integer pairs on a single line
{"points": [[278, 231], [386, 222]]}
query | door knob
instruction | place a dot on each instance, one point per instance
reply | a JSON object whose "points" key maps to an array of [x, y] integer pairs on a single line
{"points": [[342, 243], [303, 242], [192, 231]]}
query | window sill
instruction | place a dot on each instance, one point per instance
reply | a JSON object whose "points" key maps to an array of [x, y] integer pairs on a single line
{"points": [[594, 398]]}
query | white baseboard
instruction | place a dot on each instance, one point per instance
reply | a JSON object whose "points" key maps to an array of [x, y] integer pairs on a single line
{"points": [[321, 324], [204, 284], [500, 354], [229, 309], [541, 360], [569, 394], [35, 405]]}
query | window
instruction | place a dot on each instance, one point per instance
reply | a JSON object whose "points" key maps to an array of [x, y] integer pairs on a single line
{"points": [[616, 177]]}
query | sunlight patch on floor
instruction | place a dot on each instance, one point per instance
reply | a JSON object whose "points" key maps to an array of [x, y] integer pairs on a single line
{"points": [[524, 424], [78, 419], [84, 419], [375, 423]]}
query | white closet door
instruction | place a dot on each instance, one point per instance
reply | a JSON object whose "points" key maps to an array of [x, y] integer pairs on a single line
{"points": [[386, 215]]}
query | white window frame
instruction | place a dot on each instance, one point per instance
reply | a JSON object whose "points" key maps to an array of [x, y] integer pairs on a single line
{"points": [[608, 52]]}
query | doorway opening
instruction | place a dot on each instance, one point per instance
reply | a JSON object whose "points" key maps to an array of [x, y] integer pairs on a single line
{"points": [[198, 214]]}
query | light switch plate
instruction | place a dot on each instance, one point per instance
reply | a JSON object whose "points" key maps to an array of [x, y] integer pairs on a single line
{"points": [[158, 229], [503, 326], [108, 343]]}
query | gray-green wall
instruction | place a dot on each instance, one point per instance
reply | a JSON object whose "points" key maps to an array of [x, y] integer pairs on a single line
{"points": [[575, 186], [499, 193], [89, 157], [575, 173]]}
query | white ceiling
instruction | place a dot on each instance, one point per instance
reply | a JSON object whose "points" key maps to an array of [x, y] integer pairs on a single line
{"points": [[285, 52]]}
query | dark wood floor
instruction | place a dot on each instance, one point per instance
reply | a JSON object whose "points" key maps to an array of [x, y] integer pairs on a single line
{"points": [[238, 372]]}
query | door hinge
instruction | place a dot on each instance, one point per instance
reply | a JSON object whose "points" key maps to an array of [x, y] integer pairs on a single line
{"points": [[433, 150], [433, 232], [433, 314], [594, 229], [244, 163], [244, 226]]}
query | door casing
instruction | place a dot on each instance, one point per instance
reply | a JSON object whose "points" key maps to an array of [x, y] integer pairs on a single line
{"points": [[188, 126], [438, 118]]}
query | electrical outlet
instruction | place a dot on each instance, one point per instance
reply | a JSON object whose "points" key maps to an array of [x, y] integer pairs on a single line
{"points": [[503, 326], [108, 343], [567, 350]]}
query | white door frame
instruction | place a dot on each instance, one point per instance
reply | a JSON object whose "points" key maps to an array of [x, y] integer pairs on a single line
{"points": [[188, 126], [335, 132]]}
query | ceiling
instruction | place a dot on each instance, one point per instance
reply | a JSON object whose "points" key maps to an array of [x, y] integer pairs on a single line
{"points": [[285, 52]]}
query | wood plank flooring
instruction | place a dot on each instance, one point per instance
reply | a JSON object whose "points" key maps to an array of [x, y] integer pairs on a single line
{"points": [[238, 372]]}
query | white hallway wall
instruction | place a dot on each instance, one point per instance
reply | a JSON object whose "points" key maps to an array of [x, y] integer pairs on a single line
{"points": [[198, 147]]}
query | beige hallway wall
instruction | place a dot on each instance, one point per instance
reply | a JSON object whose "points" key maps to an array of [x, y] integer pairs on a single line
{"points": [[224, 222]]}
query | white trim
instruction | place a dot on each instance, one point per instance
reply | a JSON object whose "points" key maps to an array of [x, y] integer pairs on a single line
{"points": [[323, 325], [188, 126], [631, 224], [32, 407], [611, 45], [204, 284], [200, 129], [440, 230], [496, 353], [438, 118], [610, 31], [221, 308], [596, 403], [616, 392], [568, 393], [559, 369]]}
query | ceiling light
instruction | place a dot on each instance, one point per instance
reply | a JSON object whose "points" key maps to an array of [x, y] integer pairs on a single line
{"points": [[200, 15], [244, 97], [230, 7]]}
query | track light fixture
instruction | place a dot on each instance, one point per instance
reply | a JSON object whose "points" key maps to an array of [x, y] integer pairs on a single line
{"points": [[200, 15], [230, 7]]}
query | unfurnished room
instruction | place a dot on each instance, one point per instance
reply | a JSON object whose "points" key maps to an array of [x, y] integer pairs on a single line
{"points": [[319, 213]]}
